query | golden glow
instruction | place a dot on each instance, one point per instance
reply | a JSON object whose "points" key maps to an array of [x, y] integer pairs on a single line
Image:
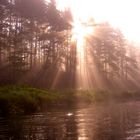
{"points": [[69, 114], [122, 14], [80, 31]]}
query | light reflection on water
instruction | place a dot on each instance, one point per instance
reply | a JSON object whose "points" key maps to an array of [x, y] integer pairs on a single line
{"points": [[93, 122]]}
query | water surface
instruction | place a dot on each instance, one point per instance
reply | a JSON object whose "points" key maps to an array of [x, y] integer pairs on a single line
{"points": [[112, 121]]}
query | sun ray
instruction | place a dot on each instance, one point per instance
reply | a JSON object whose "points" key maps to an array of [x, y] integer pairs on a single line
{"points": [[117, 13], [101, 11]]}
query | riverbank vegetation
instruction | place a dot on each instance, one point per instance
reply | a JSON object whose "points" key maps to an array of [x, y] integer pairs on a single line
{"points": [[24, 99], [38, 48]]}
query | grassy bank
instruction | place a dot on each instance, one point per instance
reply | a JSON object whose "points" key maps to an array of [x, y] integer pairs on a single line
{"points": [[23, 99]]}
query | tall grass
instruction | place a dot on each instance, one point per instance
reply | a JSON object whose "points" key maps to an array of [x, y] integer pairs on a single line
{"points": [[24, 99]]}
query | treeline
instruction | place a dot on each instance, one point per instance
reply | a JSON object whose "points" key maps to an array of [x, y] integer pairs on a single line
{"points": [[35, 43], [36, 48], [115, 58]]}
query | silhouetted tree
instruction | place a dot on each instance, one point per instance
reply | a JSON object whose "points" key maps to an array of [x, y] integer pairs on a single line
{"points": [[110, 52]]}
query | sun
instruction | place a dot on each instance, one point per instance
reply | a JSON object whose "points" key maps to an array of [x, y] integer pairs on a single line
{"points": [[122, 14], [81, 30]]}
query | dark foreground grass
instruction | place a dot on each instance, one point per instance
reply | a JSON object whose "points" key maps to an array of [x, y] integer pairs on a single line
{"points": [[23, 99]]}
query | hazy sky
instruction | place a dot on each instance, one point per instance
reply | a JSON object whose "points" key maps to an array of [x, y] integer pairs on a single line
{"points": [[119, 13]]}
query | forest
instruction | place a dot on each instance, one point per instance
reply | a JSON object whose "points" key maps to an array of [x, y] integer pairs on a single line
{"points": [[66, 76], [37, 49]]}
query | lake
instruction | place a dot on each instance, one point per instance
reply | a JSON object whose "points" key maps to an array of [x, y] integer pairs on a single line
{"points": [[100, 121]]}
